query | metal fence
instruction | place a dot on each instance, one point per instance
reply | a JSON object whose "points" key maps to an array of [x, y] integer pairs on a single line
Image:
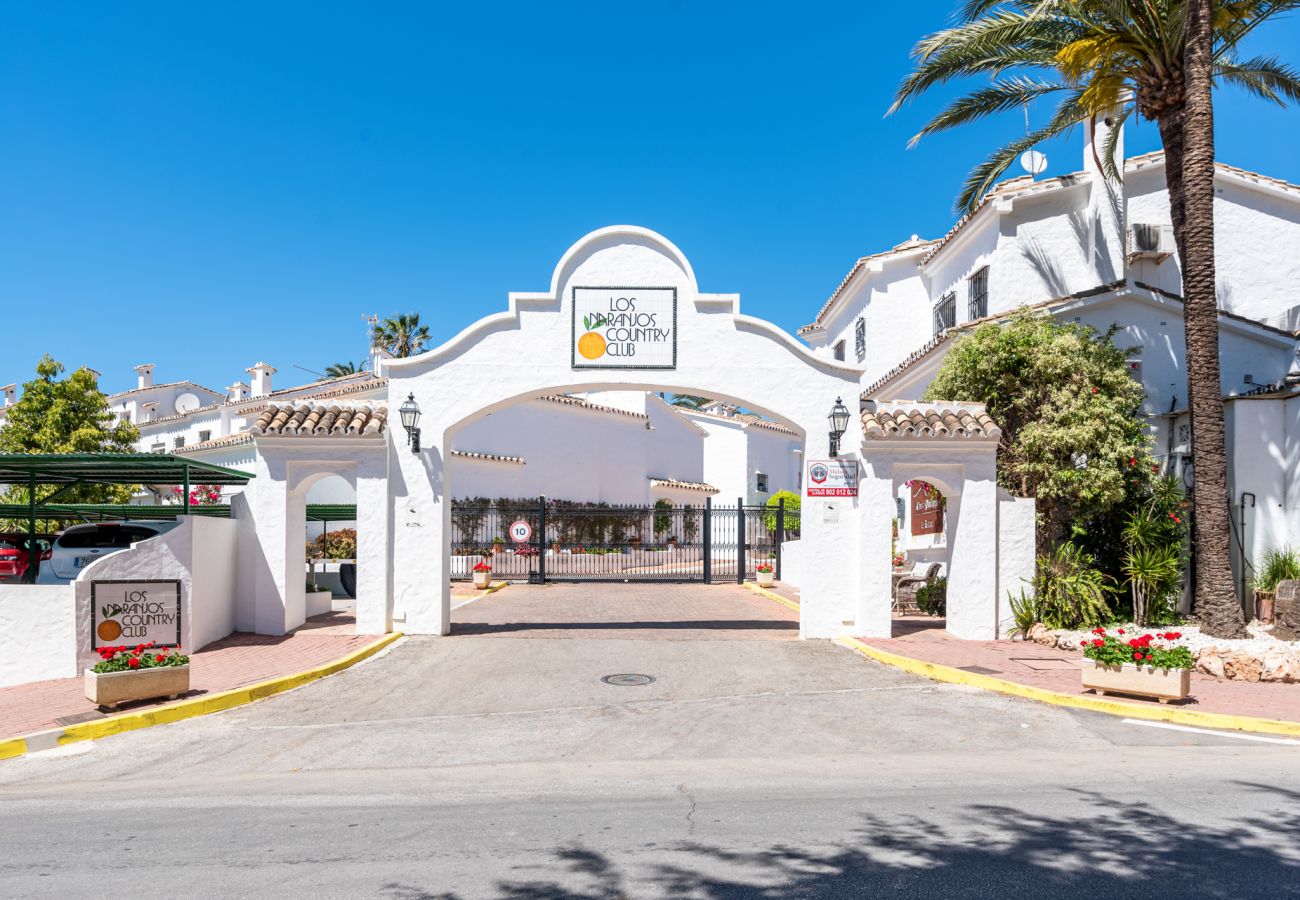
{"points": [[552, 540]]}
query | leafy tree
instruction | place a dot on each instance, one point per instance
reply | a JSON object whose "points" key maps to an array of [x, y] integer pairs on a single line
{"points": [[338, 370], [1069, 410], [1160, 59], [402, 335], [66, 415]]}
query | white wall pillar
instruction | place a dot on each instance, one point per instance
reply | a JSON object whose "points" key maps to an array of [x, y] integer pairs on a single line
{"points": [[875, 585], [973, 554], [374, 546], [421, 524]]}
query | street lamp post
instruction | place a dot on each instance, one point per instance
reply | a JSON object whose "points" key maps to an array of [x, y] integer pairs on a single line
{"points": [[839, 419]]}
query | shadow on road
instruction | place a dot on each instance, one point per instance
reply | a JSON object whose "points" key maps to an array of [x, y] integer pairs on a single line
{"points": [[1126, 847]]}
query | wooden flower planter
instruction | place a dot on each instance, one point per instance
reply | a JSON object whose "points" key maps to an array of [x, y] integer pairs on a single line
{"points": [[1144, 681], [111, 688]]}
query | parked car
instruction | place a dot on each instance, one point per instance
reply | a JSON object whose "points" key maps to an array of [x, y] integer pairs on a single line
{"points": [[80, 545], [13, 554]]}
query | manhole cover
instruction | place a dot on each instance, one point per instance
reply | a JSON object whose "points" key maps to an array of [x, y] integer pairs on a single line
{"points": [[627, 680]]}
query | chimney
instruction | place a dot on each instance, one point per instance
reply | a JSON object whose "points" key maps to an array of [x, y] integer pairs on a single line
{"points": [[261, 378], [236, 392], [11, 394], [144, 375]]}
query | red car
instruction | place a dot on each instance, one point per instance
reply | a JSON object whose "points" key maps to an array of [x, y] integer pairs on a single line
{"points": [[13, 553]]}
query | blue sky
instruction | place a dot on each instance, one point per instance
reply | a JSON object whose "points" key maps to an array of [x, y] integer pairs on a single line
{"points": [[204, 187]]}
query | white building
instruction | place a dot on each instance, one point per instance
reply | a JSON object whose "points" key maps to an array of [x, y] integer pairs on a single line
{"points": [[1102, 254]]}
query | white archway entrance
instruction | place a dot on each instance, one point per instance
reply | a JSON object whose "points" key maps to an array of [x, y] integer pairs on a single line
{"points": [[657, 331]]}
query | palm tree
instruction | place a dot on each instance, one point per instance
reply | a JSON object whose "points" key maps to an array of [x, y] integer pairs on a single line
{"points": [[338, 370], [402, 335], [1157, 58], [690, 401]]}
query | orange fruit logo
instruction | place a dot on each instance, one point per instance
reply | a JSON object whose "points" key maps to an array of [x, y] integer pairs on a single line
{"points": [[109, 629], [591, 345]]}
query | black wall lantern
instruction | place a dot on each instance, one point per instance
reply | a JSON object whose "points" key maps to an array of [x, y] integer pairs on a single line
{"points": [[410, 413], [839, 419]]}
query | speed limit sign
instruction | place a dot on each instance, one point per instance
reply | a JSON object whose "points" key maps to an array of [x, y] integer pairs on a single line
{"points": [[520, 531]]}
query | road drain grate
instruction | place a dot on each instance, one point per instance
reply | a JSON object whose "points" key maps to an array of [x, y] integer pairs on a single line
{"points": [[627, 680]]}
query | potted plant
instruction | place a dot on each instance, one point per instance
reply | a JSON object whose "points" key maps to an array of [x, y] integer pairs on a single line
{"points": [[482, 574], [140, 673], [1278, 566], [765, 574], [498, 545], [1146, 665]]}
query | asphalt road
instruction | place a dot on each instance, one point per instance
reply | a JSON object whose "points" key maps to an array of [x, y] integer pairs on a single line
{"points": [[503, 767]]}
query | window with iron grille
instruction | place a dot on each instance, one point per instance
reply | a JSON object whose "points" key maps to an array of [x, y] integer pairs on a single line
{"points": [[860, 338], [205, 436], [945, 312], [977, 305], [762, 483], [178, 443]]}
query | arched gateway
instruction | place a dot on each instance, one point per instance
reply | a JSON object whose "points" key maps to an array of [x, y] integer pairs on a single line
{"points": [[659, 333], [624, 312]]}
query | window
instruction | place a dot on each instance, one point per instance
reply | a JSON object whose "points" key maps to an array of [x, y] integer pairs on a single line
{"points": [[158, 448], [860, 338], [178, 443], [945, 312], [977, 293], [205, 436], [839, 351], [762, 483]]}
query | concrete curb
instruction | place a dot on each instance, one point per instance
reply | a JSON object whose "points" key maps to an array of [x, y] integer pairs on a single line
{"points": [[185, 709], [950, 675], [771, 595]]}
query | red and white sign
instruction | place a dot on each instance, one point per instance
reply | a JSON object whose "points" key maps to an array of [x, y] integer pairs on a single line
{"points": [[520, 531], [832, 478]]}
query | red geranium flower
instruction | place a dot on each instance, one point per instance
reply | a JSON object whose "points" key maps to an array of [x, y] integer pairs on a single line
{"points": [[1121, 630], [1137, 655], [133, 663]]}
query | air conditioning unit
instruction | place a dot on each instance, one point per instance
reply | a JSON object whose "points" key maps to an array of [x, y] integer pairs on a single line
{"points": [[1150, 241]]}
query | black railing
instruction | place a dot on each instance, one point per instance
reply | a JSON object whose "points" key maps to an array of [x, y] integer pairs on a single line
{"points": [[945, 313], [977, 301], [550, 540]]}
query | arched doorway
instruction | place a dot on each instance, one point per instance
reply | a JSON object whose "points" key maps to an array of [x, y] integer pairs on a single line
{"points": [[662, 334]]}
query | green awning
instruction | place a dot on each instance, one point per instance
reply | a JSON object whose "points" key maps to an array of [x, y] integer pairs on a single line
{"points": [[113, 468]]}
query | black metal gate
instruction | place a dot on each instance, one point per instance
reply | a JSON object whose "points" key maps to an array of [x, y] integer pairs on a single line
{"points": [[555, 540]]}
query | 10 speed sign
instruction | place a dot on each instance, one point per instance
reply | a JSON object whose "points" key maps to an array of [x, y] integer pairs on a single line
{"points": [[520, 531]]}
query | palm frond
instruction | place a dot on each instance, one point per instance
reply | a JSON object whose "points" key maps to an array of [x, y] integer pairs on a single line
{"points": [[1266, 77], [1007, 94]]}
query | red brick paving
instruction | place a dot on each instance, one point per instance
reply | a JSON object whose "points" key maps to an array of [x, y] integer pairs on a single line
{"points": [[627, 611], [231, 662], [1058, 670]]}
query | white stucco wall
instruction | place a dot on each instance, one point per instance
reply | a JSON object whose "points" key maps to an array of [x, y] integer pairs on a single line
{"points": [[1264, 451], [526, 351], [38, 629], [199, 552]]}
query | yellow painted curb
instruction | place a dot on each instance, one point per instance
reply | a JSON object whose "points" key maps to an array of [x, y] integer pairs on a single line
{"points": [[1099, 704], [771, 595], [199, 706]]}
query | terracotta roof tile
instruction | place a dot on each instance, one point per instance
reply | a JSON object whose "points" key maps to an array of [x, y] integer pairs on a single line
{"points": [[230, 440], [587, 404], [489, 457], [318, 421], [932, 421], [911, 244], [674, 484]]}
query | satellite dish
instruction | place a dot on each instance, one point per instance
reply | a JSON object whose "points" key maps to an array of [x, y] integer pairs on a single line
{"points": [[1033, 162], [187, 402]]}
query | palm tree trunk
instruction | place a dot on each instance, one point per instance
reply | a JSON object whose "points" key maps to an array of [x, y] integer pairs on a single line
{"points": [[1214, 599]]}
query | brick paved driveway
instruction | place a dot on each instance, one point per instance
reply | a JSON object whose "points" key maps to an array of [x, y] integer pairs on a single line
{"points": [[635, 611]]}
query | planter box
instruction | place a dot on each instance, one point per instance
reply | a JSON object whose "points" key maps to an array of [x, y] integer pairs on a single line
{"points": [[765, 579], [1264, 606], [482, 580], [1145, 681], [110, 689]]}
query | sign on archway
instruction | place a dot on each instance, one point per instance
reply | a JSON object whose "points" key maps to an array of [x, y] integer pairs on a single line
{"points": [[624, 328]]}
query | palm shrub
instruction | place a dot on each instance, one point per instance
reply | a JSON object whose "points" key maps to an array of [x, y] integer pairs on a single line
{"points": [[1154, 539], [1279, 565], [1024, 612], [1070, 591]]}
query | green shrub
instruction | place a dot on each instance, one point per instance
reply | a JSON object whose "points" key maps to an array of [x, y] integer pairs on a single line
{"points": [[341, 544], [791, 512], [932, 597], [1279, 565], [1070, 590]]}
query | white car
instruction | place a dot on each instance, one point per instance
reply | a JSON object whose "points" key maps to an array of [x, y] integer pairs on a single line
{"points": [[80, 545]]}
